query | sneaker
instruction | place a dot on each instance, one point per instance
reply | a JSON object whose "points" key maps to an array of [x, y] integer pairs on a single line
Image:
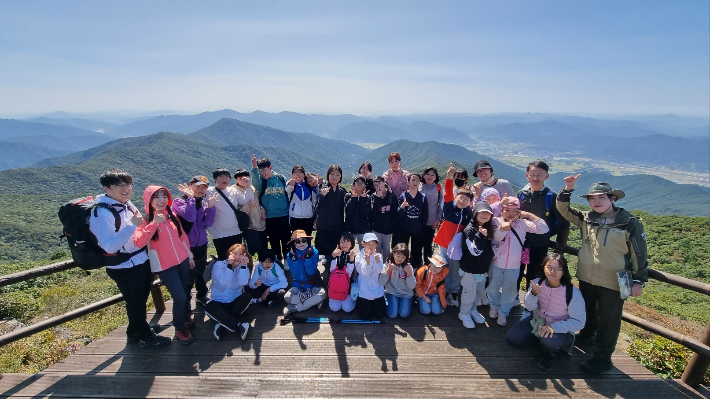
{"points": [[502, 320], [290, 309], [202, 300], [594, 366], [189, 321], [184, 336], [477, 317], [243, 329], [545, 362], [466, 319], [493, 313], [156, 341], [218, 331], [255, 300]]}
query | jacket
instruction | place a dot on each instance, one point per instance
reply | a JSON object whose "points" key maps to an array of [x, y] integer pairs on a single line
{"points": [[228, 284], [383, 213], [104, 228], [398, 283], [369, 276], [413, 218], [171, 248], [432, 284], [432, 192], [274, 199], [507, 247], [304, 267], [397, 181], [576, 313], [331, 209], [255, 221], [476, 250], [274, 278], [302, 203], [455, 218], [201, 217], [607, 249], [357, 212], [542, 204]]}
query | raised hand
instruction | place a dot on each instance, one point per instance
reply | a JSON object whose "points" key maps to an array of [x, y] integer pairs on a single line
{"points": [[535, 288], [253, 160], [337, 252], [478, 188], [505, 226], [483, 231], [291, 181], [185, 189], [378, 258], [450, 172], [137, 218], [504, 201], [404, 204], [213, 200], [570, 181], [159, 218], [325, 191], [409, 270], [351, 255]]}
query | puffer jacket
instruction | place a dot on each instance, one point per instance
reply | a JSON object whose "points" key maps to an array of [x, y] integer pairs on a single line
{"points": [[607, 249]]}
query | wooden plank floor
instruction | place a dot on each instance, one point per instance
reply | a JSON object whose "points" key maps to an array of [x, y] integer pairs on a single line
{"points": [[422, 356]]}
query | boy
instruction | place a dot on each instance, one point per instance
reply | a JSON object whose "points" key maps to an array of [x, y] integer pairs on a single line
{"points": [[272, 190], [539, 200], [130, 268], [225, 230], [268, 281], [612, 240], [457, 214]]}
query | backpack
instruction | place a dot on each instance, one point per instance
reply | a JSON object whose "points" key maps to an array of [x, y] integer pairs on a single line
{"points": [[273, 271], [569, 290], [84, 247], [339, 281]]}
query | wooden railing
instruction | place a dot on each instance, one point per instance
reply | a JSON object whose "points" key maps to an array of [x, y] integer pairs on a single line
{"points": [[693, 375]]}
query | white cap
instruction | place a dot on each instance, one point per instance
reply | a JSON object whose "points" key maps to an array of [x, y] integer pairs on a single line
{"points": [[369, 237]]}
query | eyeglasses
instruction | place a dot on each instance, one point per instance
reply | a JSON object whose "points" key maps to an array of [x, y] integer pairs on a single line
{"points": [[300, 241], [553, 270], [124, 185]]}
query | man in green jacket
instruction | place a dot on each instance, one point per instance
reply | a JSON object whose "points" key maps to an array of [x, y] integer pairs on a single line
{"points": [[613, 240]]}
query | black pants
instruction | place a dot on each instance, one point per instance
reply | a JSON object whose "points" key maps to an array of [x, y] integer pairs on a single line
{"points": [[134, 283], [302, 224], [195, 276], [273, 295], [221, 245], [604, 307], [326, 241], [256, 241], [534, 269], [428, 242], [416, 248], [227, 314], [279, 233], [371, 309]]}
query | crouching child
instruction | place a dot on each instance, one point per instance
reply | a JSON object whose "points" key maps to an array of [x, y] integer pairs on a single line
{"points": [[268, 282]]}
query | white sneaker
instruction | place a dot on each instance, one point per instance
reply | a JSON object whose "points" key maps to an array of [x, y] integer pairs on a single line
{"points": [[218, 331], [493, 313], [502, 320], [477, 317], [466, 319], [243, 328]]}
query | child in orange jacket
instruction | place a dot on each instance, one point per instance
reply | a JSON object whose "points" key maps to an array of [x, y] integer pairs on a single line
{"points": [[430, 286]]}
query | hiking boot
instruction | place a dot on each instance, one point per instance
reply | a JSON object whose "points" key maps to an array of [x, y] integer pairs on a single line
{"points": [[467, 321], [243, 329], [219, 331], [493, 313], [156, 341], [594, 366], [189, 321], [184, 336], [502, 320], [545, 362], [202, 300], [477, 317], [290, 310]]}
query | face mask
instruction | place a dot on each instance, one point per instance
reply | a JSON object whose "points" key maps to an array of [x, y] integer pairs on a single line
{"points": [[459, 182]]}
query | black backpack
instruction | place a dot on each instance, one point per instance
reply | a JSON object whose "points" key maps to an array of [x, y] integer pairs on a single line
{"points": [[85, 249]]}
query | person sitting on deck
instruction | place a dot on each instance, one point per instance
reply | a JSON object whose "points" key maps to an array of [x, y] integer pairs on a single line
{"points": [[268, 281], [229, 299], [307, 287], [430, 287]]}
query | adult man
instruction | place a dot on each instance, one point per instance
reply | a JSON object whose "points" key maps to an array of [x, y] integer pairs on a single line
{"points": [[272, 188], [129, 266], [225, 230], [484, 172]]}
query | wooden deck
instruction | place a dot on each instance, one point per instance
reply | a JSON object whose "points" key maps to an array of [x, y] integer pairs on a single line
{"points": [[422, 356]]}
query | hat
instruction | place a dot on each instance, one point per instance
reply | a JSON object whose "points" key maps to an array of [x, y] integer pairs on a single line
{"points": [[437, 260], [199, 180], [482, 206], [513, 202], [299, 234], [482, 164], [603, 188], [369, 237], [487, 192]]}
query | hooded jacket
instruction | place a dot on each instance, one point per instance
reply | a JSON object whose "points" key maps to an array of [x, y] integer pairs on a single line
{"points": [[476, 249], [431, 284], [357, 210], [171, 248], [383, 213], [455, 218], [302, 203], [508, 249]]}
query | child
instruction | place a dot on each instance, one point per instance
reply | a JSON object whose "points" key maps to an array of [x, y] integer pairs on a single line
{"points": [[366, 170], [383, 215], [623, 248], [341, 275], [268, 281], [255, 235], [302, 201], [413, 213], [492, 197], [330, 212], [457, 214], [368, 263], [430, 286], [431, 189], [272, 193], [509, 238], [357, 209], [229, 299], [399, 281], [476, 256], [306, 290], [556, 315], [170, 256]]}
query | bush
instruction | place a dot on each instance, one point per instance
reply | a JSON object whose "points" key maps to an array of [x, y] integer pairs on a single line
{"points": [[662, 356]]}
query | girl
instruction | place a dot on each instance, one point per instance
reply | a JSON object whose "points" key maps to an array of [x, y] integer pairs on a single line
{"points": [[509, 238], [330, 211], [413, 213], [399, 282], [396, 178], [431, 190], [368, 263], [229, 299], [306, 290], [492, 197], [268, 281], [383, 215], [557, 310], [255, 235], [357, 209], [170, 256], [341, 275], [430, 286], [302, 201], [366, 170], [477, 253]]}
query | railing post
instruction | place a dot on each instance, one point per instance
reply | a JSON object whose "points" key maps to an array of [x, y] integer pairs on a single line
{"points": [[698, 365], [157, 295]]}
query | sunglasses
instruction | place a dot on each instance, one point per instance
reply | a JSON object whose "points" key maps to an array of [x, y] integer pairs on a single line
{"points": [[300, 241]]}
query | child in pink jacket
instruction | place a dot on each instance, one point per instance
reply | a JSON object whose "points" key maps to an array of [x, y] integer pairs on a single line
{"points": [[169, 253]]}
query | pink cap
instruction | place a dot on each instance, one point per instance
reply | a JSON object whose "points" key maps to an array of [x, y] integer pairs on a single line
{"points": [[513, 202]]}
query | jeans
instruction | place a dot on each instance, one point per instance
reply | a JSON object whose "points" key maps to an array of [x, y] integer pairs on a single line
{"points": [[503, 280], [175, 279], [433, 307], [398, 306], [521, 334], [134, 283]]}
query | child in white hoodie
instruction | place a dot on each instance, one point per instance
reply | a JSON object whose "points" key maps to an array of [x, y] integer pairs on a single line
{"points": [[369, 264], [268, 282]]}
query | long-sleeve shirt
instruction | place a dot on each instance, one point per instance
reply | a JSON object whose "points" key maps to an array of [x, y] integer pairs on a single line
{"points": [[200, 218], [397, 181], [575, 309], [274, 278], [398, 283], [228, 284], [103, 226], [509, 250], [368, 280], [225, 221]]}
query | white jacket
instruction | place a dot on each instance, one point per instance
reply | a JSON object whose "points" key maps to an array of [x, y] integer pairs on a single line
{"points": [[369, 275], [298, 208]]}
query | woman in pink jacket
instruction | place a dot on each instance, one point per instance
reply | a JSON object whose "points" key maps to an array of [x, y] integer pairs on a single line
{"points": [[170, 256]]}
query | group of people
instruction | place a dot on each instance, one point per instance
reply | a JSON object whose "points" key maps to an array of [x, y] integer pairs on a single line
{"points": [[390, 241]]}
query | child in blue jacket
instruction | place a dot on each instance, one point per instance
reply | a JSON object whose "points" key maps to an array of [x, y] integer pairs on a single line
{"points": [[307, 287]]}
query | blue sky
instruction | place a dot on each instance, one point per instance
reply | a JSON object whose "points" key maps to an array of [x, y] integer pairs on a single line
{"points": [[360, 57]]}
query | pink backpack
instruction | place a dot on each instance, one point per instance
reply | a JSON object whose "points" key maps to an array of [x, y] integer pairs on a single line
{"points": [[339, 283]]}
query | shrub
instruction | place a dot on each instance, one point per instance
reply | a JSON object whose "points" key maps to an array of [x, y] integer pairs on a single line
{"points": [[662, 356]]}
